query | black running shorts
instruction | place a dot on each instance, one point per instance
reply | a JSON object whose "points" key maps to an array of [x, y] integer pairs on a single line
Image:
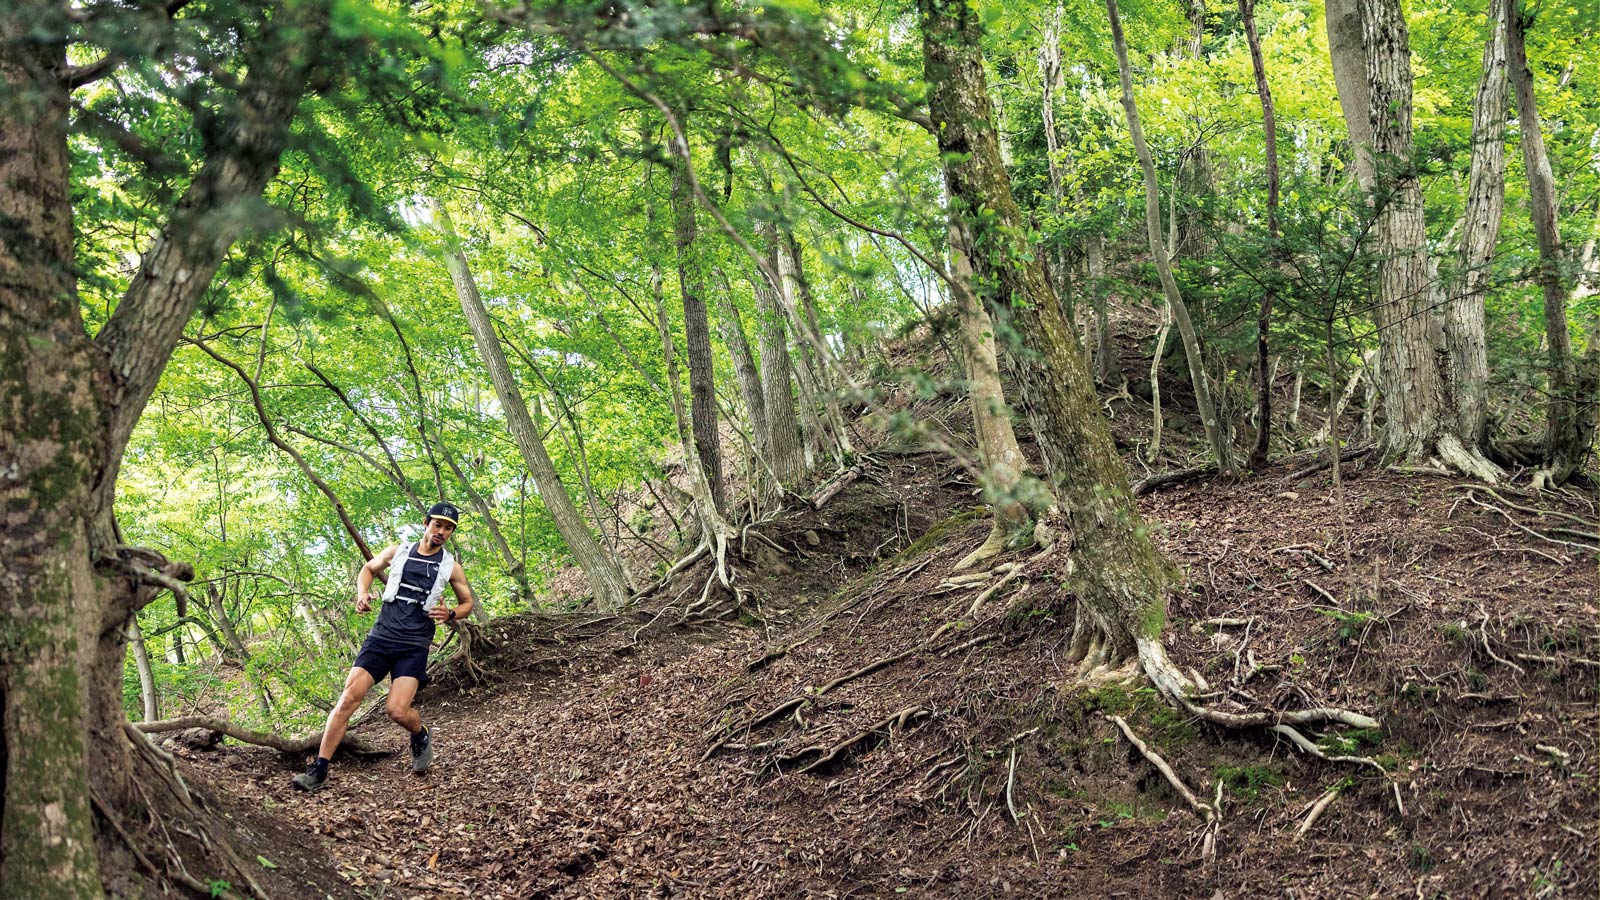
{"points": [[381, 658]]}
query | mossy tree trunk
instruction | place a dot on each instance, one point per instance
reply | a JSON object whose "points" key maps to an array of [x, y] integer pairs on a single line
{"points": [[1118, 577], [69, 587]]}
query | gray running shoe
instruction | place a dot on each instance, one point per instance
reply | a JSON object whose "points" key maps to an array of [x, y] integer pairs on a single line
{"points": [[311, 779], [421, 751]]}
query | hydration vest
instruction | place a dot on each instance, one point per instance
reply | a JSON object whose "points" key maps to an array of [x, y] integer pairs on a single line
{"points": [[391, 591]]}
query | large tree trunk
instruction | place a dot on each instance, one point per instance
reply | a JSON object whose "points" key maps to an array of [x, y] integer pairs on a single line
{"points": [[1216, 430], [697, 339], [1116, 573], [1411, 341], [1003, 462], [69, 586], [1570, 411], [606, 578], [1347, 52], [1486, 190], [1269, 120]]}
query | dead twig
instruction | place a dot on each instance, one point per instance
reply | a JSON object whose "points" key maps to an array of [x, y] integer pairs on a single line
{"points": [[1317, 809]]}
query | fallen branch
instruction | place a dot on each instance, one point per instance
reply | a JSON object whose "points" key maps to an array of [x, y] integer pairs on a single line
{"points": [[1315, 467], [1317, 809], [1206, 813], [1146, 485], [831, 488], [298, 744]]}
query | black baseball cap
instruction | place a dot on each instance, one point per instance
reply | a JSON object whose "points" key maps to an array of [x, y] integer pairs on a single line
{"points": [[445, 511]]}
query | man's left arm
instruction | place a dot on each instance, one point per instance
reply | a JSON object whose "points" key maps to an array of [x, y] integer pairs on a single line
{"points": [[464, 598]]}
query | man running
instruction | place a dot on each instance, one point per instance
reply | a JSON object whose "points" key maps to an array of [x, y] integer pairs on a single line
{"points": [[398, 643]]}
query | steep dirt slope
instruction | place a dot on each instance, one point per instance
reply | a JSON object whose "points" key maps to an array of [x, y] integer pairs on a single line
{"points": [[966, 761]]}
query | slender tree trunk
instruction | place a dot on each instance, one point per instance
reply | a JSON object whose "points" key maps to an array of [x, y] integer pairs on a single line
{"points": [[1486, 189], [1003, 462], [1117, 576], [729, 322], [697, 333], [777, 381], [1216, 431], [147, 676], [1156, 419], [818, 354], [1347, 52], [1050, 83], [1104, 360], [605, 573], [1570, 411], [314, 627], [1269, 120]]}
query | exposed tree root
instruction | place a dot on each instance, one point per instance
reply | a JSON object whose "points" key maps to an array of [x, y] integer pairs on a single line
{"points": [[297, 744], [818, 756], [1305, 744], [1317, 809], [1196, 806], [992, 546], [810, 695]]}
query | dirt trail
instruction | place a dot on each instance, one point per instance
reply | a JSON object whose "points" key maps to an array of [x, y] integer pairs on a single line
{"points": [[578, 772]]}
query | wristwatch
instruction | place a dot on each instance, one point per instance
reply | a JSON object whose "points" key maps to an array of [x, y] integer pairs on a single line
{"points": [[452, 616]]}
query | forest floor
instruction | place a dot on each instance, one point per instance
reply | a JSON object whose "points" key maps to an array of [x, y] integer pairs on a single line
{"points": [[970, 763]]}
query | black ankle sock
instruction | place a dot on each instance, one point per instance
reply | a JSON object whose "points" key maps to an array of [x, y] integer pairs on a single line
{"points": [[321, 765]]}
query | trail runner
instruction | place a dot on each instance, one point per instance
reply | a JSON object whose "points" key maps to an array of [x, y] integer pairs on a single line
{"points": [[411, 609]]}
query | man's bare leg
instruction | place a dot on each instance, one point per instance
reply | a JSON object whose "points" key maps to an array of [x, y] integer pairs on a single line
{"points": [[401, 692], [356, 686]]}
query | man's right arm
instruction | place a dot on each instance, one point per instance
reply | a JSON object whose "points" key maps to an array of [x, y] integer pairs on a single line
{"points": [[372, 569]]}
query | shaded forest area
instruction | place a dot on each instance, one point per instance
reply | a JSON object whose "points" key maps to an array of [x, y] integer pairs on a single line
{"points": [[934, 448]]}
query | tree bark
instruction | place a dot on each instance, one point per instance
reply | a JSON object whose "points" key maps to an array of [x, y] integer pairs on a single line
{"points": [[1347, 52], [1486, 188], [1269, 121], [149, 699], [1413, 358], [777, 380], [1116, 573], [1003, 462], [605, 573], [1216, 431], [697, 340], [68, 586]]}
